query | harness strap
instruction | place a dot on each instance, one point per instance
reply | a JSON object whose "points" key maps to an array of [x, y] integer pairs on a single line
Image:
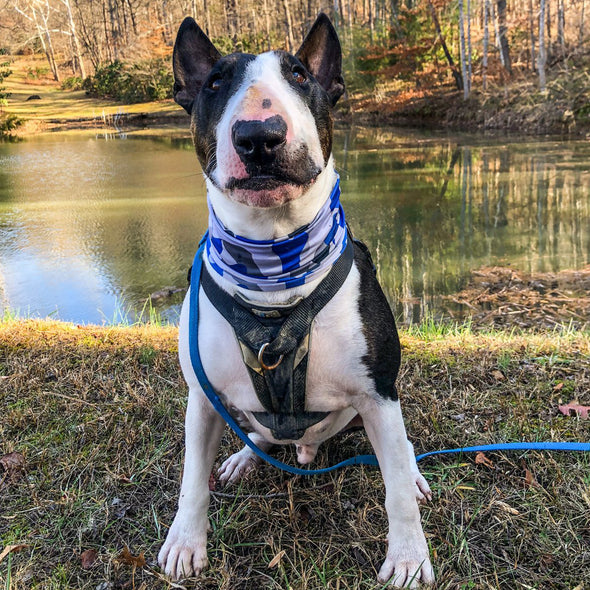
{"points": [[213, 398], [276, 349]]}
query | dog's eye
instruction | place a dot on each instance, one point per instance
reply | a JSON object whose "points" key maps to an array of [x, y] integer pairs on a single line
{"points": [[299, 75], [214, 82]]}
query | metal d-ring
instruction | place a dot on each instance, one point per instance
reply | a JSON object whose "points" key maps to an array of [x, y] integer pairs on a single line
{"points": [[261, 361]]}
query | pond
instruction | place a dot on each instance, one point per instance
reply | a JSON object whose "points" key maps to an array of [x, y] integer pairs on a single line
{"points": [[91, 226]]}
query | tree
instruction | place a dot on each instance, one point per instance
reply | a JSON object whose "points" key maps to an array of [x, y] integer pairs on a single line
{"points": [[456, 74], [503, 35], [486, 42], [466, 80], [38, 12], [75, 41], [542, 59]]}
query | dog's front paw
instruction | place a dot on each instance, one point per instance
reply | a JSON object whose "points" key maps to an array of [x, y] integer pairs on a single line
{"points": [[238, 466], [184, 553], [406, 566]]}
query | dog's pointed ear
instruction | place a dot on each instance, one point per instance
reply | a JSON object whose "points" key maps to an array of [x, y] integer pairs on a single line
{"points": [[194, 56], [321, 54]]}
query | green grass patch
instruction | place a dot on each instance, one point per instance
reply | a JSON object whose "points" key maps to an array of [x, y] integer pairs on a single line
{"points": [[97, 413]]}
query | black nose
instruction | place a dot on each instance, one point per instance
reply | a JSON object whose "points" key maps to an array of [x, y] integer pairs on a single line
{"points": [[257, 142]]}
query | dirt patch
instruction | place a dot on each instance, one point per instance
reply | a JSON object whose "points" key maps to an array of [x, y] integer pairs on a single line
{"points": [[504, 297]]}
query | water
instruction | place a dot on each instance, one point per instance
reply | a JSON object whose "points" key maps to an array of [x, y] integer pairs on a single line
{"points": [[91, 226]]}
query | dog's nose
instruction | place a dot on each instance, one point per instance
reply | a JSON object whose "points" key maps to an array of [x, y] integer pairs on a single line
{"points": [[258, 142]]}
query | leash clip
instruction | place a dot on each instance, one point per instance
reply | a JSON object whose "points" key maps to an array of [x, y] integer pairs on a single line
{"points": [[261, 361]]}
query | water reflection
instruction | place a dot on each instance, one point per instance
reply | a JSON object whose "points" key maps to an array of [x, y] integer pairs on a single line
{"points": [[89, 228]]}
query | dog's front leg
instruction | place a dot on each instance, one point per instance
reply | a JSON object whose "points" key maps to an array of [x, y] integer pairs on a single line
{"points": [[407, 562], [185, 551]]}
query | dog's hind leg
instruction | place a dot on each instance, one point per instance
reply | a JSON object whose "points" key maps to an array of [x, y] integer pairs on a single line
{"points": [[237, 466], [185, 551], [407, 562]]}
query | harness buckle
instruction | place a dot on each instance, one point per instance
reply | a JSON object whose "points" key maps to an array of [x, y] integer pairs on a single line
{"points": [[261, 361]]}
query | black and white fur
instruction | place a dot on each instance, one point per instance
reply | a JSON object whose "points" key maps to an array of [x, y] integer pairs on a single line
{"points": [[262, 130]]}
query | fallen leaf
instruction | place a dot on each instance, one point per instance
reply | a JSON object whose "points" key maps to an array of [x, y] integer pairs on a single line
{"points": [[275, 560], [13, 462], [577, 409], [498, 375], [11, 549], [88, 558], [14, 466], [481, 459], [212, 483], [507, 507], [529, 479], [134, 560]]}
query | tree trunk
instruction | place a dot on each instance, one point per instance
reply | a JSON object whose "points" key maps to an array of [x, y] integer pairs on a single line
{"points": [[371, 22], [267, 25], [463, 51], [469, 65], [450, 60], [207, 18], [289, 23], [581, 31], [49, 52], [503, 35], [486, 42], [542, 53], [532, 35], [561, 26], [75, 42]]}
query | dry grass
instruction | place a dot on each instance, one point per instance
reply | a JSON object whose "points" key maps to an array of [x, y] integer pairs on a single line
{"points": [[62, 109], [97, 414]]}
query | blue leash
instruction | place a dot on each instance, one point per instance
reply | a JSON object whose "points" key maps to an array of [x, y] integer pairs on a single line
{"points": [[359, 459]]}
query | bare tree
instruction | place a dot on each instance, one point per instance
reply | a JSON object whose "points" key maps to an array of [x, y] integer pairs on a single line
{"points": [[542, 59], [38, 12], [503, 35], [75, 41], [456, 73], [486, 42], [463, 50], [532, 35]]}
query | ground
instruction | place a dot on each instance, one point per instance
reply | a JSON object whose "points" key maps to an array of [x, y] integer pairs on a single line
{"points": [[91, 448], [507, 105]]}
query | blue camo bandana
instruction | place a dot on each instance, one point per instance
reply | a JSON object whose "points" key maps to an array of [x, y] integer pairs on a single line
{"points": [[274, 265]]}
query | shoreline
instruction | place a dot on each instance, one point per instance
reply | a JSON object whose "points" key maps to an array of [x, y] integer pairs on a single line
{"points": [[441, 111]]}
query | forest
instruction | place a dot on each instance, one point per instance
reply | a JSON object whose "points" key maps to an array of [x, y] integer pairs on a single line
{"points": [[395, 52]]}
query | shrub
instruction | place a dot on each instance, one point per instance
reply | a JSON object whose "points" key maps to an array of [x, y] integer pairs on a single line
{"points": [[5, 71], [144, 81], [72, 83], [8, 123], [37, 72]]}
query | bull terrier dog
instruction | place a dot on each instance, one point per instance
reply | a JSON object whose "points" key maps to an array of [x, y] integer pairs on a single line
{"points": [[295, 334]]}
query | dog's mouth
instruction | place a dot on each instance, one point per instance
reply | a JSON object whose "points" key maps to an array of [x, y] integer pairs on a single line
{"points": [[264, 180], [267, 182]]}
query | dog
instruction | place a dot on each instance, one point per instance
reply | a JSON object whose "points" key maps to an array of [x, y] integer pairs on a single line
{"points": [[262, 131]]}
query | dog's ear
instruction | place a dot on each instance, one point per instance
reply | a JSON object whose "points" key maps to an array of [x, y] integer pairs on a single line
{"points": [[321, 54], [194, 56]]}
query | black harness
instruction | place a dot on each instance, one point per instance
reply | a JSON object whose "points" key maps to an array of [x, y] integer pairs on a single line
{"points": [[275, 344]]}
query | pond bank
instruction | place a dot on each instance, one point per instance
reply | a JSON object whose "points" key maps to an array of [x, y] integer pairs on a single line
{"points": [[514, 107], [91, 442]]}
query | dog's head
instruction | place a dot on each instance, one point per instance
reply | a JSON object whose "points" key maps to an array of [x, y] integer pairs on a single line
{"points": [[261, 125]]}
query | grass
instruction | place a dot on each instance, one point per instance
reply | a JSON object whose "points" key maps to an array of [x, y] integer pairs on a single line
{"points": [[97, 414], [59, 107]]}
